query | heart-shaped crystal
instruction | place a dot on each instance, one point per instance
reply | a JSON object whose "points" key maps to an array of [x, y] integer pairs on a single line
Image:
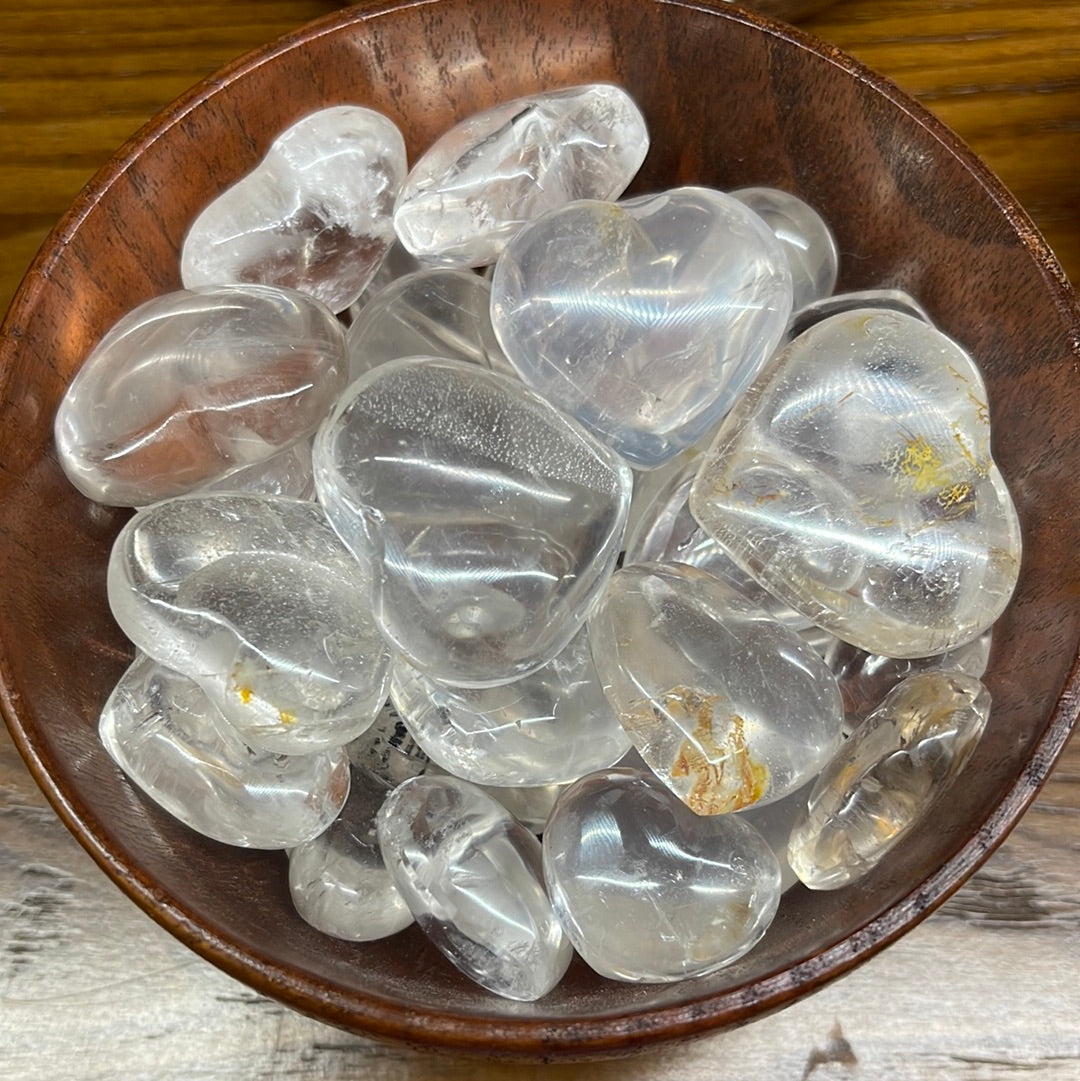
{"points": [[854, 481], [647, 890], [314, 215], [489, 520], [644, 319]]}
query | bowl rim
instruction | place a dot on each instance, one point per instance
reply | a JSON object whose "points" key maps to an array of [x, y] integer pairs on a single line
{"points": [[527, 1038]]}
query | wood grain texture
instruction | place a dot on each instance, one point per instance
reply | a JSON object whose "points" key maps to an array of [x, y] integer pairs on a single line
{"points": [[89, 987]]}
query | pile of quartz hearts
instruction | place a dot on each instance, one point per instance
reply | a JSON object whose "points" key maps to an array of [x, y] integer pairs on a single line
{"points": [[644, 542]]}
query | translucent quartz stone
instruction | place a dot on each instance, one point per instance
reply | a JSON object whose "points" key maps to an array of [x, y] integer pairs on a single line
{"points": [[396, 264], [549, 727], [338, 881], [193, 385], [727, 706], [257, 600], [893, 300], [387, 750], [644, 319], [806, 239], [498, 169], [865, 678], [472, 876], [287, 473], [529, 804], [774, 822], [160, 728], [490, 521], [435, 312], [887, 776], [854, 481], [647, 890], [669, 533], [314, 215]]}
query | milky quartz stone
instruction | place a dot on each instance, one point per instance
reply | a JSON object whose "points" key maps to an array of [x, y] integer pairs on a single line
{"points": [[887, 776], [498, 169], [163, 731], [549, 727], [644, 319], [338, 881], [314, 215], [435, 312], [195, 384], [805, 237], [854, 481], [727, 706], [865, 678], [648, 891], [489, 520], [472, 877], [258, 601]]}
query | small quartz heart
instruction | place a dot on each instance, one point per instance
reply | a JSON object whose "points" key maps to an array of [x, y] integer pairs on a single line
{"points": [[645, 319]]}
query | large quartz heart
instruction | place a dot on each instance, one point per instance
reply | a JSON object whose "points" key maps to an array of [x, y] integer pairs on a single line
{"points": [[647, 890], [854, 481], [489, 520], [644, 319], [314, 215]]}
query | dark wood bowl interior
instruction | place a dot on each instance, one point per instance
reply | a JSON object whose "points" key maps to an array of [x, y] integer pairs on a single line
{"points": [[731, 100]]}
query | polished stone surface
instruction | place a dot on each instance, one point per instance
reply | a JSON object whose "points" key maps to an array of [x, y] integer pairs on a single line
{"points": [[314, 215], [648, 891], [547, 728], [488, 520], [887, 776], [726, 705], [287, 473], [258, 601], [498, 169], [854, 481], [472, 877], [160, 728], [893, 300], [338, 881], [192, 385], [645, 319]]}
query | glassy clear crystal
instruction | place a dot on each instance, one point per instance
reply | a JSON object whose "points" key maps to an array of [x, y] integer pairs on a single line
{"points": [[498, 169], [886, 776], [489, 520], [644, 319], [396, 264], [436, 313], [472, 876], [193, 385], [647, 890], [805, 237], [387, 750], [549, 727], [338, 881], [854, 481], [893, 300], [287, 473], [865, 678], [160, 728], [727, 706], [774, 822], [314, 215], [256, 599]]}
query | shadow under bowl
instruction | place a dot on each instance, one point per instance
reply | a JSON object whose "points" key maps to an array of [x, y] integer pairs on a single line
{"points": [[731, 100]]}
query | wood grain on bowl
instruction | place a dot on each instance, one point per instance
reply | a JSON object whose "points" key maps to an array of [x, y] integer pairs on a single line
{"points": [[911, 206]]}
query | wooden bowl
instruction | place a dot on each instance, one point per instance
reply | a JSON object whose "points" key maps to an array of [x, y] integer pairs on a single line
{"points": [[731, 100]]}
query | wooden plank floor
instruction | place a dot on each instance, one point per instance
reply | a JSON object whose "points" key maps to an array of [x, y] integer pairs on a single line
{"points": [[985, 990]]}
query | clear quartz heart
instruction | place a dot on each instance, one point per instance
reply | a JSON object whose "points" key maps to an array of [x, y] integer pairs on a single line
{"points": [[257, 600], [886, 776], [644, 319], [472, 877], [489, 521], [314, 215], [163, 731], [648, 891], [193, 385], [855, 482], [549, 727], [727, 706], [500, 168]]}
